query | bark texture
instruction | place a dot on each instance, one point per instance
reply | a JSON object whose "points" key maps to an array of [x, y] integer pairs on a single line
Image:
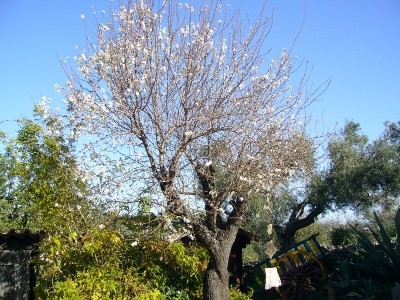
{"points": [[286, 234], [216, 281]]}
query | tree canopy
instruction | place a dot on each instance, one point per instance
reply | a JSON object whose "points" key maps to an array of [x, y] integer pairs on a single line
{"points": [[170, 94], [360, 175], [39, 176]]}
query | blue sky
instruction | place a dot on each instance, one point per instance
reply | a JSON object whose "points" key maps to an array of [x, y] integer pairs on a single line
{"points": [[355, 43]]}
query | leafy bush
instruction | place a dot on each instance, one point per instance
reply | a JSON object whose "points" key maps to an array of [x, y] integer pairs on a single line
{"points": [[108, 282], [374, 268], [235, 294], [342, 236], [102, 264], [381, 258], [353, 284], [171, 267], [86, 263]]}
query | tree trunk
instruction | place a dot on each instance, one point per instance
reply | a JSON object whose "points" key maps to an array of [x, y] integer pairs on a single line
{"points": [[216, 281], [287, 233], [286, 237]]}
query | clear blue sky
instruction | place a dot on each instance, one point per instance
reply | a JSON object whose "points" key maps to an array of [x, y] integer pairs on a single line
{"points": [[355, 43]]}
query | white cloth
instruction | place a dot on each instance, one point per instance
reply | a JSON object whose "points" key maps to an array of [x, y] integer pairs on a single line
{"points": [[272, 278]]}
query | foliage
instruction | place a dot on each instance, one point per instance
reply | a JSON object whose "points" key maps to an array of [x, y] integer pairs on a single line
{"points": [[175, 269], [363, 174], [102, 263], [374, 268], [351, 284], [264, 219], [384, 260], [235, 294], [90, 264], [360, 175], [39, 178], [323, 229], [106, 282], [342, 236]]}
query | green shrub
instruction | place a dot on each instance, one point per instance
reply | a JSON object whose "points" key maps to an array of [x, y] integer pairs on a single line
{"points": [[174, 269], [374, 268], [352, 284], [103, 264], [105, 283], [235, 294], [382, 256], [342, 236]]}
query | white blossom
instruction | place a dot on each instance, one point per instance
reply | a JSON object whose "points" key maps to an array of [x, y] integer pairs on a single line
{"points": [[57, 88], [164, 98], [189, 134]]}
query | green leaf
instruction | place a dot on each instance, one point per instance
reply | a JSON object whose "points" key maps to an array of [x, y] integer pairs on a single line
{"points": [[387, 245]]}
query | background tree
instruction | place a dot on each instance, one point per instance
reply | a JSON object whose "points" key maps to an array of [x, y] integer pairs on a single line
{"points": [[361, 175], [266, 220], [171, 94], [39, 176]]}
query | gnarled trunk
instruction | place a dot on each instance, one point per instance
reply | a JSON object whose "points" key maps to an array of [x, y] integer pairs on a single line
{"points": [[286, 234], [216, 281]]}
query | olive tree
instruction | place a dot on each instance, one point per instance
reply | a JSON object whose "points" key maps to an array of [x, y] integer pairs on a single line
{"points": [[361, 175], [171, 96]]}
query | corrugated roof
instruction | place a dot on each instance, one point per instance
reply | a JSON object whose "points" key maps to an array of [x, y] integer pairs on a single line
{"points": [[25, 239], [12, 233]]}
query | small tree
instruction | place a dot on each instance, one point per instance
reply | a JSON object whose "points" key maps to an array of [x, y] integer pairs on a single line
{"points": [[172, 96], [39, 176]]}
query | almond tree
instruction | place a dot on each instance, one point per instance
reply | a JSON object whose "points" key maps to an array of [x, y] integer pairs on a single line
{"points": [[172, 96]]}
